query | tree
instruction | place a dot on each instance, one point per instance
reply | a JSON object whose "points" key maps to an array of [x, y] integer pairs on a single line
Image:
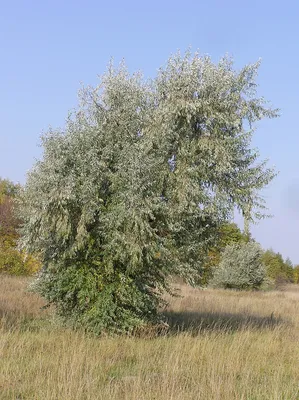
{"points": [[240, 267], [12, 261], [278, 270], [9, 222], [289, 269], [296, 274], [135, 186], [228, 233], [8, 189]]}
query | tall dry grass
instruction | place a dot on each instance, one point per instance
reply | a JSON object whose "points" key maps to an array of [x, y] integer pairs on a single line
{"points": [[220, 345]]}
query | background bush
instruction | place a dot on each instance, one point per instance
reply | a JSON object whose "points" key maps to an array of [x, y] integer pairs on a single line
{"points": [[240, 267]]}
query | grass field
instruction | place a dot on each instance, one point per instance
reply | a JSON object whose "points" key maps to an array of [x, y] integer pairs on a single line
{"points": [[221, 345]]}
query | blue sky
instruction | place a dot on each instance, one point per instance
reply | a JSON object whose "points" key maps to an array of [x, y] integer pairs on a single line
{"points": [[49, 47]]}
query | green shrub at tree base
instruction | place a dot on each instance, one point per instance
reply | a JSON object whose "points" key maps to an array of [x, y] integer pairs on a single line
{"points": [[75, 290]]}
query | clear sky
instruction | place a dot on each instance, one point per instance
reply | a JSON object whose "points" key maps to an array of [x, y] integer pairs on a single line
{"points": [[49, 47]]}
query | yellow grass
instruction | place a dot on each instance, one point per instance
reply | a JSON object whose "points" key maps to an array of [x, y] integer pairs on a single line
{"points": [[221, 345]]}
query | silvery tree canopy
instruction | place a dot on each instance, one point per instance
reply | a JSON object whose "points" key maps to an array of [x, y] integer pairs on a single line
{"points": [[133, 189]]}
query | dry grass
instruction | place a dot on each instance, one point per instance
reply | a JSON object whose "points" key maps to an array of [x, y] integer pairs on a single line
{"points": [[221, 345]]}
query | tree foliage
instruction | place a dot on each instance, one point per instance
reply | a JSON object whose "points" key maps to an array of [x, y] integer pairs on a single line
{"points": [[277, 269], [12, 261], [296, 274], [228, 233], [135, 186], [240, 267]]}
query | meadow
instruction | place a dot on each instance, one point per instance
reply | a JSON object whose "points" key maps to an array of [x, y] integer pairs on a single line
{"points": [[220, 345]]}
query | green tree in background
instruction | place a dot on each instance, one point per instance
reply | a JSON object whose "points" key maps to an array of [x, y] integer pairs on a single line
{"points": [[240, 267], [136, 185], [277, 269], [228, 233], [296, 274], [8, 221], [12, 261]]}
